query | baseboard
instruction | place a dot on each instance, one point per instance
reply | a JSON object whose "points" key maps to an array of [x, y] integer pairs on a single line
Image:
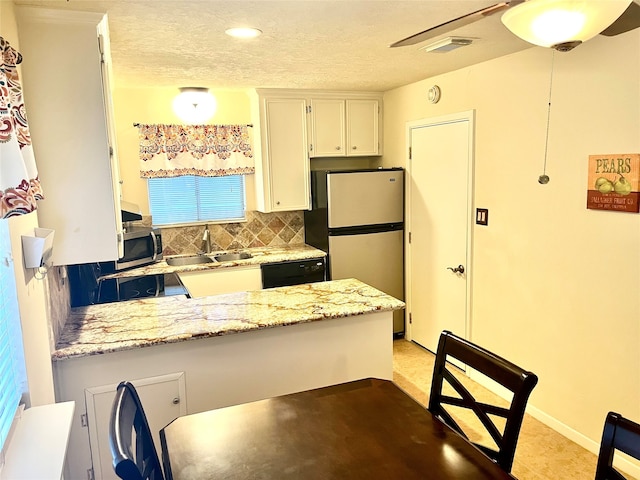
{"points": [[585, 442], [624, 465]]}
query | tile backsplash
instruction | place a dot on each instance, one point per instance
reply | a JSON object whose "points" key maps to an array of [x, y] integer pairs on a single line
{"points": [[58, 294], [259, 230]]}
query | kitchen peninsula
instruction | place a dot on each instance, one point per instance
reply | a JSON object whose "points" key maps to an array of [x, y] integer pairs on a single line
{"points": [[217, 351]]}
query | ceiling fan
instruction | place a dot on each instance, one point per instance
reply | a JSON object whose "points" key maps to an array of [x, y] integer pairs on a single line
{"points": [[525, 18]]}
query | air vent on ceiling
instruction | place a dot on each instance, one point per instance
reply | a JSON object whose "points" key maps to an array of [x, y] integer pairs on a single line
{"points": [[447, 44]]}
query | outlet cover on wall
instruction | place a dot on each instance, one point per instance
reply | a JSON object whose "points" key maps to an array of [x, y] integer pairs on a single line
{"points": [[482, 216]]}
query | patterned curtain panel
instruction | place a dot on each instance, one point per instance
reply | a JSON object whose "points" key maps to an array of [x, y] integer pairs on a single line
{"points": [[201, 150], [19, 184]]}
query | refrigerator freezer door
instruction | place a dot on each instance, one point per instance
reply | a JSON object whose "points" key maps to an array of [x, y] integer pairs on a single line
{"points": [[365, 198], [376, 259]]}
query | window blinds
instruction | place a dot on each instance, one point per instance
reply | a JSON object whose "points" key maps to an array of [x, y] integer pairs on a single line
{"points": [[191, 199], [12, 372]]}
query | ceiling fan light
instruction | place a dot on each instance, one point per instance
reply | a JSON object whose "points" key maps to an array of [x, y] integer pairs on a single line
{"points": [[549, 23], [558, 26], [194, 105]]}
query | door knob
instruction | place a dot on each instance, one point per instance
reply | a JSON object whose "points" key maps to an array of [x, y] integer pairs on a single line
{"points": [[458, 269]]}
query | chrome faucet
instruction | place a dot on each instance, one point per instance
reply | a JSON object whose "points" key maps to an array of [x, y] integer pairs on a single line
{"points": [[206, 238]]}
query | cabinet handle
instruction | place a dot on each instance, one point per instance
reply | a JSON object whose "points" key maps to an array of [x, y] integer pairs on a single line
{"points": [[176, 401], [277, 203], [354, 147], [337, 148]]}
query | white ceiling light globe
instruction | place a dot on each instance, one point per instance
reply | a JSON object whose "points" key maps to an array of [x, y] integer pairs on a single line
{"points": [[562, 23], [194, 105], [557, 26]]}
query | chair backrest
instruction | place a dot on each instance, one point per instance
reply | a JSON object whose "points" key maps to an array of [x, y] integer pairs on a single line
{"points": [[619, 434], [132, 449], [510, 376]]}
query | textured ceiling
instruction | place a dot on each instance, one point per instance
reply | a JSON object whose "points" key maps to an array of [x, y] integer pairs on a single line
{"points": [[338, 45]]}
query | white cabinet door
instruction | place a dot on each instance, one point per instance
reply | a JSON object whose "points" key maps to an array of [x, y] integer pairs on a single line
{"points": [[327, 128], [63, 91], [345, 127], [163, 399], [285, 160], [362, 127], [223, 280], [107, 83]]}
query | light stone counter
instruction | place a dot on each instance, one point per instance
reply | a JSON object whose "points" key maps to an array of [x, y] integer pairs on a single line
{"points": [[259, 255], [113, 327]]}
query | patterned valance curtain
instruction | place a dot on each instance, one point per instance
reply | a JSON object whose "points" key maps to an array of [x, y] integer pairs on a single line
{"points": [[201, 150], [19, 184]]}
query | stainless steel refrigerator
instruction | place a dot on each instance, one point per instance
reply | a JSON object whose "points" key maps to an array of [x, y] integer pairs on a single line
{"points": [[357, 217]]}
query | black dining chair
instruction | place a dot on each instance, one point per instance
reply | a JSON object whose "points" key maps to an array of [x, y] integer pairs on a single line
{"points": [[619, 434], [510, 376], [132, 448]]}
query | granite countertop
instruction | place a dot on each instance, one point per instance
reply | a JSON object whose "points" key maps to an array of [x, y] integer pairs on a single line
{"points": [[259, 255], [113, 327]]}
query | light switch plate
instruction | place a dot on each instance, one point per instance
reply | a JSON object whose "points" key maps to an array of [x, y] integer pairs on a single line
{"points": [[482, 216]]}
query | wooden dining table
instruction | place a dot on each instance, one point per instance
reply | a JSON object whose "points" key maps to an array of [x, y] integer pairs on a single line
{"points": [[367, 429]]}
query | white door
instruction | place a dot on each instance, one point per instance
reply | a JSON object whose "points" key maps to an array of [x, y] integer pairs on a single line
{"points": [[439, 189]]}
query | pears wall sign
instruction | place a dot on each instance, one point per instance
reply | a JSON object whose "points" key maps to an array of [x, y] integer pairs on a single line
{"points": [[614, 182]]}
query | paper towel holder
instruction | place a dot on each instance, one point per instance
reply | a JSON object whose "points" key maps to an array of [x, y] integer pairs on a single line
{"points": [[37, 248]]}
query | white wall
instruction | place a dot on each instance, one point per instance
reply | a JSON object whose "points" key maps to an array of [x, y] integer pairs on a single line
{"points": [[34, 317], [32, 293], [556, 287]]}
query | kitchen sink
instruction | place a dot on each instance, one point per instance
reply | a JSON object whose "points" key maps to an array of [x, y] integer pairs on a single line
{"points": [[230, 257], [190, 260]]}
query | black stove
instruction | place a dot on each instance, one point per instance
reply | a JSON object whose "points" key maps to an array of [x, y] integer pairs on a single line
{"points": [[87, 288]]}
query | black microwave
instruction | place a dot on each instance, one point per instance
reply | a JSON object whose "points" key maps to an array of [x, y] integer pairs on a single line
{"points": [[141, 246]]}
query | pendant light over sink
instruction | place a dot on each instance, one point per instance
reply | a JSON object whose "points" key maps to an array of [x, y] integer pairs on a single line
{"points": [[194, 105]]}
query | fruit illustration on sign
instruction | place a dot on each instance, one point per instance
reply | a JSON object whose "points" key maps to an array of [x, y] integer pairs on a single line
{"points": [[622, 186], [604, 185]]}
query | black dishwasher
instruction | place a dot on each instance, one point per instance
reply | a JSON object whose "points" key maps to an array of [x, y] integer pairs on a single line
{"points": [[293, 272]]}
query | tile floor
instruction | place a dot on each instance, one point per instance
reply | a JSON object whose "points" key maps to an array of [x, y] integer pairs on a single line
{"points": [[542, 453]]}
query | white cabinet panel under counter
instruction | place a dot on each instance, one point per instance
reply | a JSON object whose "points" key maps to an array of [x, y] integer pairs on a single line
{"points": [[215, 282]]}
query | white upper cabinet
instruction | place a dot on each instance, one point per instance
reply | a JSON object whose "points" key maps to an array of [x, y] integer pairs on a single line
{"points": [[328, 128], [107, 86], [64, 92], [281, 157], [362, 127], [345, 127], [290, 126]]}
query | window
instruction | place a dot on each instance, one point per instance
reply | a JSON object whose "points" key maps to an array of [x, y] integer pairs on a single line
{"points": [[12, 372], [191, 199]]}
